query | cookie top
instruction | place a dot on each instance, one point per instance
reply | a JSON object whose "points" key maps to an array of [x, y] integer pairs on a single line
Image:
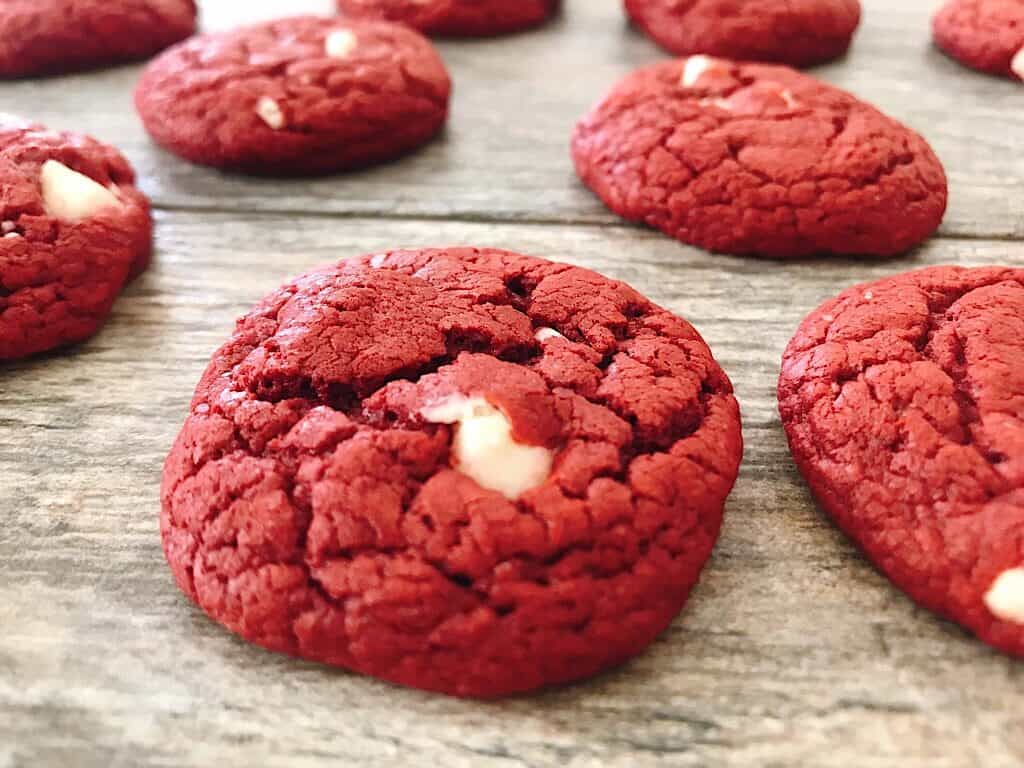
{"points": [[53, 36], [903, 401], [297, 96], [983, 34], [73, 229], [463, 470], [456, 18], [796, 33], [760, 160]]}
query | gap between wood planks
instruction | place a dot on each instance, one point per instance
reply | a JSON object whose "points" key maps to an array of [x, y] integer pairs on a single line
{"points": [[481, 218]]}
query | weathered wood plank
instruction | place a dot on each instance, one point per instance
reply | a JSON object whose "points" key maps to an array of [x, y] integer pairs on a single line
{"points": [[505, 154], [791, 652]]}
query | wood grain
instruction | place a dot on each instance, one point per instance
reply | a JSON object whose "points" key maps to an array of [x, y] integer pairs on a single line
{"points": [[792, 652]]}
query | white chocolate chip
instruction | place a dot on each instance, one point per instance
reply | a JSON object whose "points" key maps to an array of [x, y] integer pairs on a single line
{"points": [[270, 113], [869, 295], [1017, 65], [11, 236], [787, 97], [7, 226], [72, 196], [1005, 598], [485, 450], [543, 334], [720, 103], [694, 69], [340, 43]]}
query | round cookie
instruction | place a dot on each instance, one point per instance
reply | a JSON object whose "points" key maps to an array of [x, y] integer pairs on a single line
{"points": [[796, 32], [753, 159], [456, 18], [39, 37], [903, 401], [73, 230], [296, 96], [462, 470], [983, 34]]}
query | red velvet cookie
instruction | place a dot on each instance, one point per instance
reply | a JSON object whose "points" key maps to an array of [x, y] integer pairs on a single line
{"points": [[760, 160], [52, 36], [456, 18], [983, 34], [462, 470], [903, 401], [296, 96], [795, 32], [73, 230]]}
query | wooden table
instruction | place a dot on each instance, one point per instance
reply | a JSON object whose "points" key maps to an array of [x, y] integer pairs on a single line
{"points": [[792, 651]]}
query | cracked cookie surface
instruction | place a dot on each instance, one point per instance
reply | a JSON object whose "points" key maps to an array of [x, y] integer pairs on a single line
{"points": [[315, 502], [456, 18], [73, 230], [762, 160], [903, 401], [42, 37], [296, 96], [987, 35], [796, 32]]}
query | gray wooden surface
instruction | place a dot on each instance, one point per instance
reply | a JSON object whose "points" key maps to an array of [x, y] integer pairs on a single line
{"points": [[792, 652]]}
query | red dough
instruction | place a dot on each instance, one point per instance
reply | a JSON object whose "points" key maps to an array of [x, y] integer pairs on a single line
{"points": [[759, 160], [59, 278], [310, 507], [903, 401], [296, 96], [53, 36], [456, 18], [983, 34], [795, 32]]}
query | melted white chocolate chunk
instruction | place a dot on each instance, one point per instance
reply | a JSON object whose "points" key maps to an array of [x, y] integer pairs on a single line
{"points": [[1005, 598], [72, 196], [694, 70], [485, 450], [543, 334], [1017, 64], [340, 43], [270, 113]]}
